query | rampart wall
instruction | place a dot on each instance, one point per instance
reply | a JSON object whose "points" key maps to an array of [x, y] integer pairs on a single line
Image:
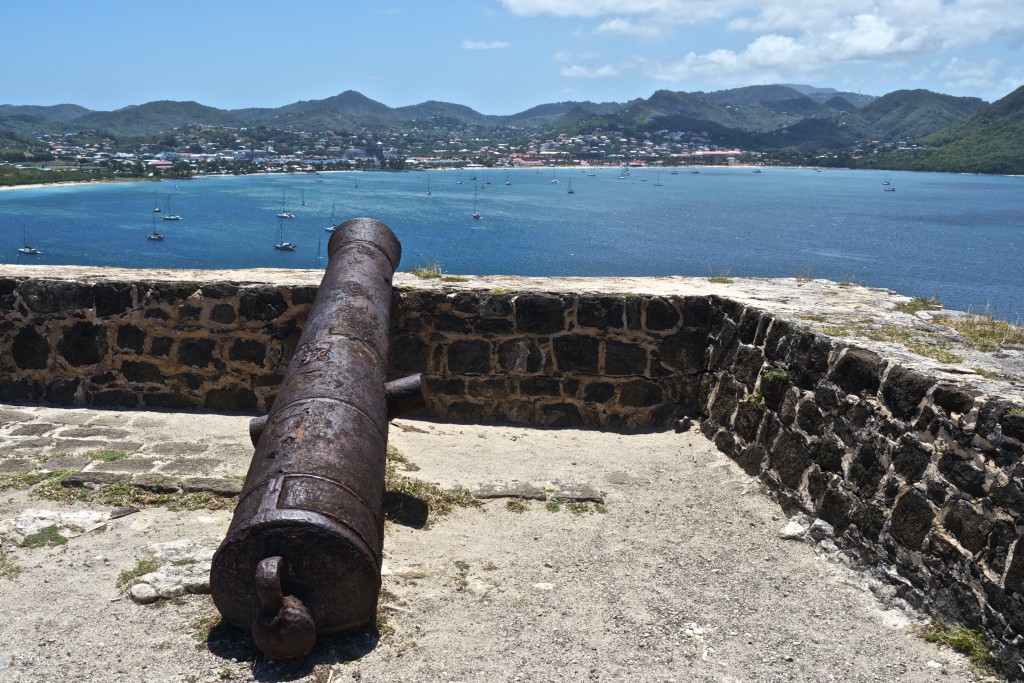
{"points": [[917, 472]]}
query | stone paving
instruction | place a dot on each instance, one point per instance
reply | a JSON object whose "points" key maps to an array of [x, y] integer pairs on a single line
{"points": [[162, 451]]}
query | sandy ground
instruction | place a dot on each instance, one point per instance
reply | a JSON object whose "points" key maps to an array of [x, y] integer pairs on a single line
{"points": [[682, 577]]}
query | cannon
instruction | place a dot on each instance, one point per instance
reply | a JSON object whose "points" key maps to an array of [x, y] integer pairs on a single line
{"points": [[303, 553]]}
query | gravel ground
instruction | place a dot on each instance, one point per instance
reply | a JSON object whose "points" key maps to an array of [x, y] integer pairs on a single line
{"points": [[681, 575]]}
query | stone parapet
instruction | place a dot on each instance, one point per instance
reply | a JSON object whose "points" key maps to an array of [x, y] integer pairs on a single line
{"points": [[915, 462]]}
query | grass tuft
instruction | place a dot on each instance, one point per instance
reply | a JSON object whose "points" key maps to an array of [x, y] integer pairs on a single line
{"points": [[983, 332], [9, 569], [721, 279], [919, 303], [438, 501], [46, 537], [517, 505], [141, 568], [961, 639]]}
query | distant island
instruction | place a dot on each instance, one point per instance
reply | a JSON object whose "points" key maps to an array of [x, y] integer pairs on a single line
{"points": [[770, 125]]}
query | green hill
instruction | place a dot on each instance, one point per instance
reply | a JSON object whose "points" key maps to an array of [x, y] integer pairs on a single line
{"points": [[989, 141], [154, 117]]}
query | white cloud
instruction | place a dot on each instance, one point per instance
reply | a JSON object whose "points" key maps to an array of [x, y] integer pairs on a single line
{"points": [[578, 71], [484, 45], [620, 25]]}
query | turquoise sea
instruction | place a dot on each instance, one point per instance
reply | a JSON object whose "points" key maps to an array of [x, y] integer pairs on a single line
{"points": [[956, 237]]}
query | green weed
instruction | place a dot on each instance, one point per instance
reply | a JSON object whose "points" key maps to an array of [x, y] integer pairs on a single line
{"points": [[961, 639], [141, 568], [517, 505], [43, 538], [8, 567], [919, 303]]}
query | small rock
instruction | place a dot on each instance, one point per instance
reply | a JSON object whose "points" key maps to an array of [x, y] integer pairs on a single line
{"points": [[577, 493], [544, 586], [820, 530], [182, 550], [143, 593], [683, 425], [793, 531], [510, 490]]}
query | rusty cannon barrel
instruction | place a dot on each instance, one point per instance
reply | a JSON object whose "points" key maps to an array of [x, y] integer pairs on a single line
{"points": [[303, 553]]}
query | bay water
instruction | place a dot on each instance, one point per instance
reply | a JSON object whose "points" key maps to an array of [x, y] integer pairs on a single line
{"points": [[959, 238]]}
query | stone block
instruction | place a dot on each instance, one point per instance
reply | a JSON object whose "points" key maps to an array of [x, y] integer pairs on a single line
{"points": [[83, 343], [220, 290], [141, 371], [624, 359], [221, 486], [62, 391], [158, 483], [747, 363], [112, 298], [959, 468], [95, 478], [44, 297], [261, 304], [747, 420], [539, 313], [469, 357], [835, 507], [660, 315], [30, 350], [160, 347], [464, 411], [157, 314], [683, 351], [910, 459], [303, 295], [866, 470], [520, 355], [953, 399], [114, 397], [407, 355], [751, 459], [750, 323], [223, 314], [576, 353], [233, 398], [641, 393], [634, 311], [248, 351], [970, 528], [790, 457], [197, 353], [540, 386], [598, 392], [857, 372], [904, 390], [911, 519], [131, 338], [559, 415], [602, 313], [168, 399], [808, 417]]}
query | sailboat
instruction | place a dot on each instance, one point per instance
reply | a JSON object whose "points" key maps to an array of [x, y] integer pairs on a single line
{"points": [[554, 180], [25, 248], [284, 214], [458, 178], [571, 191], [155, 235], [428, 186], [658, 184], [303, 198], [507, 181], [476, 214], [332, 226], [316, 261], [156, 209], [170, 216], [279, 242]]}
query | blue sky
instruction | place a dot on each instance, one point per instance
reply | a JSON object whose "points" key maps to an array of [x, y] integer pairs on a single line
{"points": [[497, 56]]}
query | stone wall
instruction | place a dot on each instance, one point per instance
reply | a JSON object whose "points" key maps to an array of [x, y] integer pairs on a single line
{"points": [[918, 474]]}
